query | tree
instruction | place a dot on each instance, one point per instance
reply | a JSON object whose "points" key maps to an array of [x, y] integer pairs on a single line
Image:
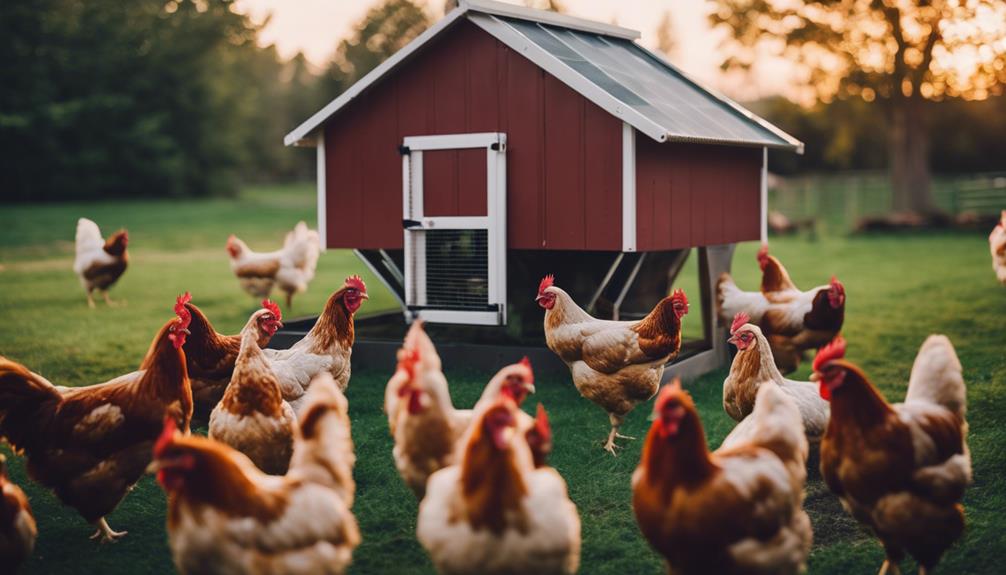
{"points": [[905, 54], [384, 30]]}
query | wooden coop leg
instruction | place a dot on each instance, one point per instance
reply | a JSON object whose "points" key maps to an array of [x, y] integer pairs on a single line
{"points": [[713, 261]]}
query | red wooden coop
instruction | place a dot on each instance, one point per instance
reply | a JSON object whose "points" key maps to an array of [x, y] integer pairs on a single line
{"points": [[505, 143]]}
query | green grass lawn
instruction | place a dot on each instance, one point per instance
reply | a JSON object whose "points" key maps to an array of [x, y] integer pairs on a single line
{"points": [[900, 289]]}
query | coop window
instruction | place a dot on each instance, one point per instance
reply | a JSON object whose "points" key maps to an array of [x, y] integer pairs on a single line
{"points": [[455, 265]]}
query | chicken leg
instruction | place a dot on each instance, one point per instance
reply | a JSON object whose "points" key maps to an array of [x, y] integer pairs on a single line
{"points": [[111, 303], [616, 422], [104, 534], [889, 567], [90, 300]]}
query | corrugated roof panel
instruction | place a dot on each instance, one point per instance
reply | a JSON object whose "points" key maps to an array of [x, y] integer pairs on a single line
{"points": [[649, 86]]}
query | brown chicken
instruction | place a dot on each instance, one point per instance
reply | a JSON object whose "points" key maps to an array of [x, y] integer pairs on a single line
{"points": [[753, 367], [494, 512], [211, 356], [792, 321], [91, 444], [226, 516], [17, 524], [615, 364], [99, 263], [539, 438], [901, 469], [736, 510], [252, 416]]}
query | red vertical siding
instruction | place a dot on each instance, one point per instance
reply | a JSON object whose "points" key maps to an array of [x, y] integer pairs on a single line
{"points": [[694, 195], [564, 191], [602, 168], [523, 93], [563, 153]]}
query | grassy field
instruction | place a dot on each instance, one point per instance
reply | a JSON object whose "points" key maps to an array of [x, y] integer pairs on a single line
{"points": [[900, 289]]}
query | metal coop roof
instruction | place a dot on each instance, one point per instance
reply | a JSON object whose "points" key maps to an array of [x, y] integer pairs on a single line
{"points": [[602, 63]]}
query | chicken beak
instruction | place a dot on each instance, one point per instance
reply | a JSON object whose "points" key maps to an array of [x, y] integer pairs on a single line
{"points": [[815, 376], [154, 467], [538, 299], [529, 387], [364, 295], [732, 339]]}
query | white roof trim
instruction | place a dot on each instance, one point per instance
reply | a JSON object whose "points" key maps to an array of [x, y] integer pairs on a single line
{"points": [[300, 135], [548, 17]]}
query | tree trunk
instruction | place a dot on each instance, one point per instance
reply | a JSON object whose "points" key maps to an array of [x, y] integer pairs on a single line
{"points": [[909, 157]]}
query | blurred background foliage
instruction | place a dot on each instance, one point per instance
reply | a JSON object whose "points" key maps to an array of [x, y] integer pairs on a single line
{"points": [[172, 98]]}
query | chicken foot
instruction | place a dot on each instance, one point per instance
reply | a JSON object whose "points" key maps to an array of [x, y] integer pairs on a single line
{"points": [[104, 534], [616, 422], [112, 303]]}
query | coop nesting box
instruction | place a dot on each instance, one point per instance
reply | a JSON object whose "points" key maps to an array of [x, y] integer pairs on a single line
{"points": [[505, 143]]}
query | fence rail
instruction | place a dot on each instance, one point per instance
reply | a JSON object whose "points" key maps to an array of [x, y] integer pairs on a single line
{"points": [[837, 202]]}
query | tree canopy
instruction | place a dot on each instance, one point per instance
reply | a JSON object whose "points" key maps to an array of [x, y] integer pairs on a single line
{"points": [[899, 53]]}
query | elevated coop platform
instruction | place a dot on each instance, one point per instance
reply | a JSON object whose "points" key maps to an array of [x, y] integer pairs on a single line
{"points": [[621, 286]]}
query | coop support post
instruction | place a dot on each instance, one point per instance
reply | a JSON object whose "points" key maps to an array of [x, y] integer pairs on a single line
{"points": [[764, 195], [322, 192], [628, 188], [713, 261]]}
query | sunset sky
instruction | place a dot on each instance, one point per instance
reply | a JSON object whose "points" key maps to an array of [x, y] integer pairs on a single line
{"points": [[316, 26]]}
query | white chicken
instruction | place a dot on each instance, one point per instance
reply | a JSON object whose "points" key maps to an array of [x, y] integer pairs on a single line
{"points": [[753, 367], [326, 348], [99, 263], [290, 268], [494, 512]]}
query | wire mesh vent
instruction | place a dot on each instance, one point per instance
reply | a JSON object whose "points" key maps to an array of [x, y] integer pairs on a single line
{"points": [[457, 269]]}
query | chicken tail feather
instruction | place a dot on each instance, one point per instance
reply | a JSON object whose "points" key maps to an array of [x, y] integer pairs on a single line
{"points": [[323, 446], [937, 377], [21, 394]]}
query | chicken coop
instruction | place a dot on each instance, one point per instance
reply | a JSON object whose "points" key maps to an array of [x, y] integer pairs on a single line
{"points": [[506, 143]]}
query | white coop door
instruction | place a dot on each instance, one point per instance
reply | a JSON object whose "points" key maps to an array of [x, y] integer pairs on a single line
{"points": [[455, 265]]}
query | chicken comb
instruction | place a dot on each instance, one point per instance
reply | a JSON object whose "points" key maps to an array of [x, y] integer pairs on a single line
{"points": [[273, 308], [355, 281], [527, 363], [763, 256], [667, 392], [166, 437], [835, 349], [546, 282], [181, 301], [837, 285], [739, 320], [541, 425], [409, 361], [183, 313], [679, 295]]}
